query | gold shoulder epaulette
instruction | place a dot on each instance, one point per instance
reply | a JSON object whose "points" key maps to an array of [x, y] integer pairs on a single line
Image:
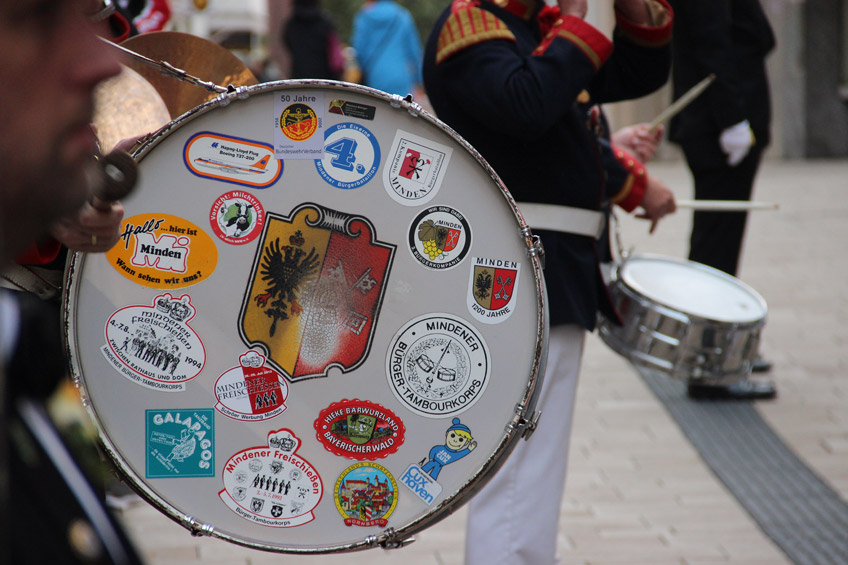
{"points": [[466, 26]]}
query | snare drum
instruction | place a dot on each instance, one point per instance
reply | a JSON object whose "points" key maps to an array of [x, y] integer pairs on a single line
{"points": [[323, 326], [684, 319]]}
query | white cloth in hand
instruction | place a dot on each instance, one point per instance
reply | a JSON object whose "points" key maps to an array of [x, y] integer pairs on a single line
{"points": [[736, 141]]}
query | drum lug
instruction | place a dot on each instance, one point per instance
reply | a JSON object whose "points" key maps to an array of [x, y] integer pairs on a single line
{"points": [[196, 528], [529, 425], [535, 248], [413, 107], [388, 540]]}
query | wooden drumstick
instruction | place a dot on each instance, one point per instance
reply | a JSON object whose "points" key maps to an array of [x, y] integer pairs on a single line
{"points": [[726, 205], [681, 102]]}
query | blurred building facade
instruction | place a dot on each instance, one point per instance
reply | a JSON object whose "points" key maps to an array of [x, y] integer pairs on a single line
{"points": [[808, 70]]}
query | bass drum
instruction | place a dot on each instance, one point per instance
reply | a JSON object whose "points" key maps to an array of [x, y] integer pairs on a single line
{"points": [[323, 327]]}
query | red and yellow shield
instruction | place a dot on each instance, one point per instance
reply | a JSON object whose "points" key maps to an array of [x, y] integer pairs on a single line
{"points": [[315, 291]]}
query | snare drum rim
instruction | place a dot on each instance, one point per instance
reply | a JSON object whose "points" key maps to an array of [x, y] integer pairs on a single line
{"points": [[617, 278], [514, 429]]}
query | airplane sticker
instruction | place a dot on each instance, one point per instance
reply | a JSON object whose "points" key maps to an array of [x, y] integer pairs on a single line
{"points": [[232, 159]]}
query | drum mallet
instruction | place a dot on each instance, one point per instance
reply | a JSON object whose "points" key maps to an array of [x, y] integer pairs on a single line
{"points": [[118, 178]]}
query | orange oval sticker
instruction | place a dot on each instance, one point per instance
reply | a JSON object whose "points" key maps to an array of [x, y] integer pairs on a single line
{"points": [[163, 251]]}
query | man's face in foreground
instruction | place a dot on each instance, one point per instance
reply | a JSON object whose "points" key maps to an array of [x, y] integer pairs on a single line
{"points": [[50, 63]]}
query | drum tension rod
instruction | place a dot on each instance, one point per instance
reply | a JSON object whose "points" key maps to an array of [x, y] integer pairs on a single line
{"points": [[413, 107], [520, 422], [389, 539], [535, 248], [196, 528]]}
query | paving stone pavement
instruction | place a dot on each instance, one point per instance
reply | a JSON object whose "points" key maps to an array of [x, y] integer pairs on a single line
{"points": [[637, 491]]}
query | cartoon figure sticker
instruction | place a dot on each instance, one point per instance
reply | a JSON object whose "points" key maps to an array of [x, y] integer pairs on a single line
{"points": [[439, 237], [163, 251], [492, 288], [366, 495], [315, 291], [237, 217], [416, 169], [299, 132], [251, 392], [421, 478], [359, 429], [179, 443], [272, 485], [154, 346], [232, 159], [438, 365], [351, 156]]}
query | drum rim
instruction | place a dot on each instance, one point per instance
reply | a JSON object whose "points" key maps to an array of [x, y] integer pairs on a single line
{"points": [[758, 298], [524, 413]]}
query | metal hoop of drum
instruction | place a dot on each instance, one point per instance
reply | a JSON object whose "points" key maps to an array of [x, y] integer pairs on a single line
{"points": [[323, 328], [684, 319]]}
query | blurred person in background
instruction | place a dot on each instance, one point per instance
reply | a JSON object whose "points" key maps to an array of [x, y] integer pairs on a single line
{"points": [[311, 38], [388, 49], [723, 134]]}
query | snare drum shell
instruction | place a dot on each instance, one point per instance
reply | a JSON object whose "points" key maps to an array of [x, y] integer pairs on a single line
{"points": [[661, 335]]}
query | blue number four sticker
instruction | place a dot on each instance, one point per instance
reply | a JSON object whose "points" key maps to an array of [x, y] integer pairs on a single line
{"points": [[351, 156]]}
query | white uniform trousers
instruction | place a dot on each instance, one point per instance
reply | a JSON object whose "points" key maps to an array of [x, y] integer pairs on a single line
{"points": [[514, 519]]}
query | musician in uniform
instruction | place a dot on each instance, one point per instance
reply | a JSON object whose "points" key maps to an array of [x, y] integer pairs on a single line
{"points": [[50, 64], [723, 134], [522, 83]]}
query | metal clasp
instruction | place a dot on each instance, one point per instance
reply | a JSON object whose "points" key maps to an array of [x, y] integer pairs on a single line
{"points": [[389, 539], [196, 528], [526, 425], [535, 247]]}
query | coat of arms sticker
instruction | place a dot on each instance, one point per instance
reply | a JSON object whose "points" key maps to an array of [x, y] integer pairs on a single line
{"points": [[315, 291]]}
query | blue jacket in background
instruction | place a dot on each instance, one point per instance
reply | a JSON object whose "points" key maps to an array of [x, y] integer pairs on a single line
{"points": [[388, 48]]}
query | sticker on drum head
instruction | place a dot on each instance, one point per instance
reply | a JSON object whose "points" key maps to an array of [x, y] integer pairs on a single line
{"points": [[237, 217], [366, 495], [154, 346], [232, 159], [353, 109], [439, 237], [416, 169], [251, 392], [351, 156], [272, 485], [358, 429], [421, 478], [179, 443], [315, 291], [438, 365], [492, 288], [300, 128], [163, 251]]}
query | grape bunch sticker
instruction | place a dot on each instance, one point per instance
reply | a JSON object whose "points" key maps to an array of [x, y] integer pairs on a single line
{"points": [[439, 237]]}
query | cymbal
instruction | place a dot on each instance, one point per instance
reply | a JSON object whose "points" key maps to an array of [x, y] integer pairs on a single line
{"points": [[197, 56], [127, 106]]}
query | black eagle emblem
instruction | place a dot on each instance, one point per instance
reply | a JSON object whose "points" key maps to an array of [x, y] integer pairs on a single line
{"points": [[285, 270], [483, 285]]}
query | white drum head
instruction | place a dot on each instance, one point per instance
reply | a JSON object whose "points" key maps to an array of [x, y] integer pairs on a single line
{"points": [[319, 326], [693, 288]]}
